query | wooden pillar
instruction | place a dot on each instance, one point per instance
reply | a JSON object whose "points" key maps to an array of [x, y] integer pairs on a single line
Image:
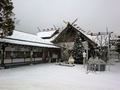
{"points": [[42, 53], [31, 55], [2, 55], [24, 53], [12, 54], [45, 55], [49, 59]]}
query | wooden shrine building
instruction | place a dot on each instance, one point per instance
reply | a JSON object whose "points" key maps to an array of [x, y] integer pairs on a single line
{"points": [[65, 40], [25, 48]]}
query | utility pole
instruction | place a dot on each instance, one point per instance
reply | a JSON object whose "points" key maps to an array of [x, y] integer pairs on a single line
{"points": [[109, 35]]}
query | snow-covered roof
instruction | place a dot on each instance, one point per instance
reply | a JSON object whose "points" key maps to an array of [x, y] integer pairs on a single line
{"points": [[50, 33], [22, 38], [89, 36], [26, 36], [45, 33], [69, 28], [48, 36]]}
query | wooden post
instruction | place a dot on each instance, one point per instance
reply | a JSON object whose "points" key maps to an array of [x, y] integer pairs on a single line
{"points": [[24, 56], [31, 56], [12, 55], [43, 54], [2, 55]]}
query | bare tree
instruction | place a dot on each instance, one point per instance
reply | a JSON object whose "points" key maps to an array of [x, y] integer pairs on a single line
{"points": [[103, 41]]}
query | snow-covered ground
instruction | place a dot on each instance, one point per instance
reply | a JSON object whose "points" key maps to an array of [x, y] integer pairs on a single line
{"points": [[54, 77]]}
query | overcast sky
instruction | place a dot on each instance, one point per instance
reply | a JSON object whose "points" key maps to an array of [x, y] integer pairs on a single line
{"points": [[94, 15]]}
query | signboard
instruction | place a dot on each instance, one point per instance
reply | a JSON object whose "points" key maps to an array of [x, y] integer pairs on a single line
{"points": [[7, 48]]}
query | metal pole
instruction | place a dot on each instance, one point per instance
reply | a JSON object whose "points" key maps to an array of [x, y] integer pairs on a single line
{"points": [[109, 49], [109, 35]]}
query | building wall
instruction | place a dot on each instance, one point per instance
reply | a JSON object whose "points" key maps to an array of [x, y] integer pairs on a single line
{"points": [[68, 46], [21, 53], [113, 54]]}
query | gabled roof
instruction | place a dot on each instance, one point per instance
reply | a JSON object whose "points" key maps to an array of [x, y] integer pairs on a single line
{"points": [[68, 28], [23, 38]]}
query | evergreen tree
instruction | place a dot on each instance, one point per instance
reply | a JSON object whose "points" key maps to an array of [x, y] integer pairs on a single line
{"points": [[78, 49], [6, 18]]}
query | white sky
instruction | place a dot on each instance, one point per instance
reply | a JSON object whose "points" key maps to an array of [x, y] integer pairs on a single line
{"points": [[94, 15]]}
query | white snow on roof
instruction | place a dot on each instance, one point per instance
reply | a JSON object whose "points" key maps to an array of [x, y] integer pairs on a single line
{"points": [[29, 43], [45, 33], [49, 33], [89, 36], [27, 39]]}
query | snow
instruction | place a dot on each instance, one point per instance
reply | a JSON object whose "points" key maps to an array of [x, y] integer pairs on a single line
{"points": [[27, 37], [23, 38], [45, 34], [49, 76]]}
